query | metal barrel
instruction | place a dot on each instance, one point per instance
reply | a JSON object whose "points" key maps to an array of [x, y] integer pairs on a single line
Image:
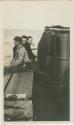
{"points": [[61, 50], [50, 91], [61, 68], [62, 47]]}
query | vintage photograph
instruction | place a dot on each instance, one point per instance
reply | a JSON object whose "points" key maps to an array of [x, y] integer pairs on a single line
{"points": [[36, 51]]}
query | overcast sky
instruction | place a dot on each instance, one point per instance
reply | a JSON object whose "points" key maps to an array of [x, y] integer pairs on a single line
{"points": [[35, 15]]}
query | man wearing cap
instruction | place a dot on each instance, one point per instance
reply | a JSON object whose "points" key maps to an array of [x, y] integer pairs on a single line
{"points": [[20, 53]]}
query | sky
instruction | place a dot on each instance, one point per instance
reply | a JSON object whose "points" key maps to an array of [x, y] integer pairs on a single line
{"points": [[35, 14]]}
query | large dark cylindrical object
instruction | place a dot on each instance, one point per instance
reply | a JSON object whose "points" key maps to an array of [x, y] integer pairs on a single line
{"points": [[50, 92]]}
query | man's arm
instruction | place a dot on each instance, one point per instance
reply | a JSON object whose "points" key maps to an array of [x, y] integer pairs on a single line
{"points": [[19, 60]]}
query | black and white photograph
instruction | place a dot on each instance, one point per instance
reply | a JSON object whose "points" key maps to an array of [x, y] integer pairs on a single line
{"points": [[36, 61]]}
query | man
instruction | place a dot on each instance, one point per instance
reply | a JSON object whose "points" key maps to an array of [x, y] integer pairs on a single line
{"points": [[27, 41], [20, 55], [24, 40]]}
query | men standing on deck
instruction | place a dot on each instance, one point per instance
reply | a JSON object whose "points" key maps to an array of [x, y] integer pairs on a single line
{"points": [[20, 55]]}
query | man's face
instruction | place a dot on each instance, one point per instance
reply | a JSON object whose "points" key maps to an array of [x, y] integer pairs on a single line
{"points": [[24, 40], [30, 41], [16, 43]]}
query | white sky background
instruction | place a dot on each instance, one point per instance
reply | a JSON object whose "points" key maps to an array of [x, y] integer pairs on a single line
{"points": [[35, 15]]}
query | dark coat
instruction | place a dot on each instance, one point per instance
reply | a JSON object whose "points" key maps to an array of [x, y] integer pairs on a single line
{"points": [[29, 51], [14, 51]]}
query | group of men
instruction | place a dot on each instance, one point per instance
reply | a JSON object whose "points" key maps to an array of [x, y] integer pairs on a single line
{"points": [[22, 52]]}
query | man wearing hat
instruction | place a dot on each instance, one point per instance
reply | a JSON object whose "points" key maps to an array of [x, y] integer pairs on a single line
{"points": [[20, 55]]}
